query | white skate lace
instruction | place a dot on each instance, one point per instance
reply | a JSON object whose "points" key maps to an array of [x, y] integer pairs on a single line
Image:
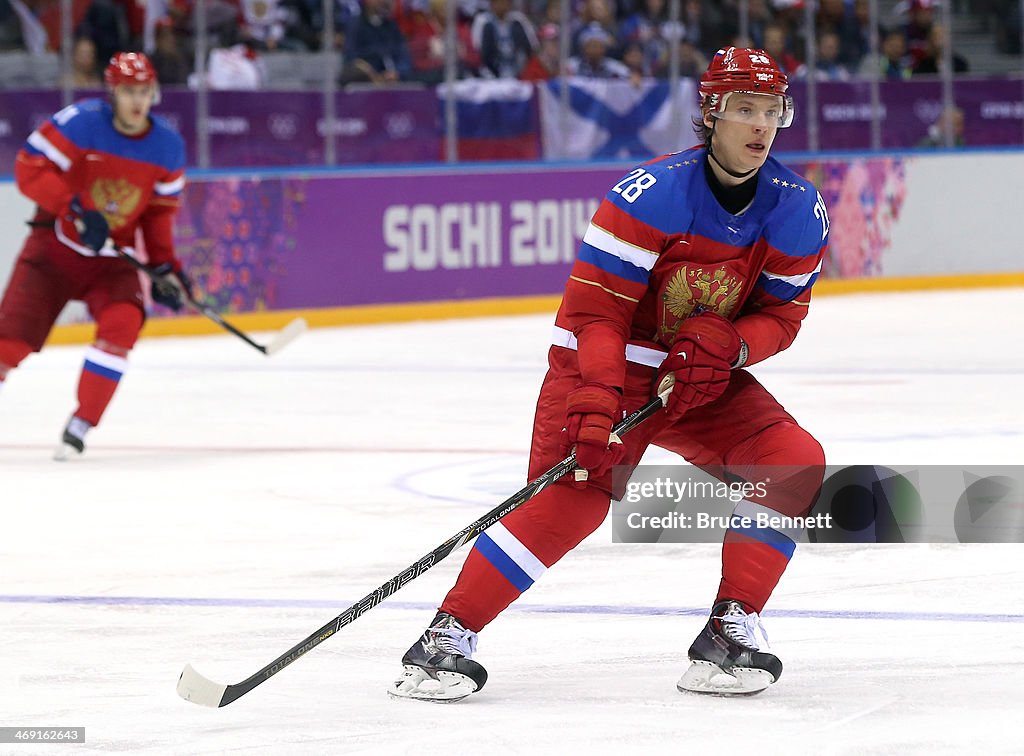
{"points": [[455, 640], [744, 629]]}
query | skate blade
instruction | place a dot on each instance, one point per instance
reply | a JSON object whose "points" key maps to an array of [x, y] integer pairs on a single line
{"points": [[416, 684], [708, 678], [64, 452]]}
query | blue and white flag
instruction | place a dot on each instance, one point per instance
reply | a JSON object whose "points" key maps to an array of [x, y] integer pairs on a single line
{"points": [[612, 119]]}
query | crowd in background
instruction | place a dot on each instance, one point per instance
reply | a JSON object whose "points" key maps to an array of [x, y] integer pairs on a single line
{"points": [[383, 41]]}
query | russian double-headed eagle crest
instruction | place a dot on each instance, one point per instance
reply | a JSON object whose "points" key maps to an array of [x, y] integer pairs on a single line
{"points": [[116, 199], [690, 289]]}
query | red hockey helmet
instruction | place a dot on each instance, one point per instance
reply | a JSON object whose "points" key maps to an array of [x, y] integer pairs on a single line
{"points": [[129, 68], [740, 69]]}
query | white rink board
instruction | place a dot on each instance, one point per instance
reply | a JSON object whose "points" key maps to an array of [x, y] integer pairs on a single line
{"points": [[960, 216], [231, 505]]}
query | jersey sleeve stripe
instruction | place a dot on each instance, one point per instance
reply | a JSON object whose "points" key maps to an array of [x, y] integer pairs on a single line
{"points": [[804, 279], [577, 279], [613, 264], [170, 187], [48, 148], [787, 288], [563, 337], [780, 290], [606, 241]]}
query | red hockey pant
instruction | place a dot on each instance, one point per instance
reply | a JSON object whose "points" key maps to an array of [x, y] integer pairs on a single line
{"points": [[46, 277], [744, 428]]}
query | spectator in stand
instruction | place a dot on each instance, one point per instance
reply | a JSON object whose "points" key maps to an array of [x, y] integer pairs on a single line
{"points": [[593, 61], [171, 64], [705, 26], [830, 15], [10, 28], [635, 61], [425, 34], [950, 119], [222, 20], [238, 67], [552, 14], [40, 22], [644, 28], [85, 67], [855, 36], [544, 64], [893, 63], [920, 19], [827, 66], [759, 15], [304, 23], [135, 18], [263, 24], [597, 13], [505, 40], [776, 44], [375, 50], [692, 63], [932, 62], [106, 24]]}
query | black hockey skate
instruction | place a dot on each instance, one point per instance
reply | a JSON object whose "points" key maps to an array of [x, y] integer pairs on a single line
{"points": [[727, 658], [72, 442], [438, 667]]}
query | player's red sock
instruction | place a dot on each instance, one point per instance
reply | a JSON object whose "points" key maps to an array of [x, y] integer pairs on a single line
{"points": [[751, 569], [512, 554], [100, 375], [791, 464], [117, 328]]}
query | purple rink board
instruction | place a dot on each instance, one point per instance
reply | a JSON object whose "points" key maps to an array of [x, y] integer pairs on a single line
{"points": [[267, 128], [439, 236], [352, 238]]}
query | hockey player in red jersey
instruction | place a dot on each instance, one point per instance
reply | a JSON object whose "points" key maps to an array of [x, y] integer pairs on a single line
{"points": [[698, 264], [98, 170]]}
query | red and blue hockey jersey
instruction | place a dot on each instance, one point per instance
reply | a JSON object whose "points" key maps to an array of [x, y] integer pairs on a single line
{"points": [[660, 247], [135, 181]]}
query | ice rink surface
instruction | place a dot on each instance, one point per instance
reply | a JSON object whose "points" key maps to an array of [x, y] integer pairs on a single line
{"points": [[232, 504]]}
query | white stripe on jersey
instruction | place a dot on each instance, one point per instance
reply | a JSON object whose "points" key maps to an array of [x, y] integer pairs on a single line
{"points": [[170, 187], [49, 149], [641, 355], [800, 280], [516, 551], [607, 242]]}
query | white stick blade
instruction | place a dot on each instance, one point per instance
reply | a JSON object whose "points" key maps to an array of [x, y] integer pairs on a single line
{"points": [[193, 687], [287, 335]]}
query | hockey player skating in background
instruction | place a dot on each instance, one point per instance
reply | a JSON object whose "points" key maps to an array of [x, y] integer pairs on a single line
{"points": [[697, 264], [99, 170]]}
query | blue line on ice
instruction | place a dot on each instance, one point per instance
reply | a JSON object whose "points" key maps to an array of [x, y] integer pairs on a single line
{"points": [[599, 609]]}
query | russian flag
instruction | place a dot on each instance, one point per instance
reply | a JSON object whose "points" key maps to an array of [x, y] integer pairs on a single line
{"points": [[497, 119]]}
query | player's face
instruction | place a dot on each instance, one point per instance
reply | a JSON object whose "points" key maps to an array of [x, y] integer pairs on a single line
{"points": [[131, 106], [744, 132]]}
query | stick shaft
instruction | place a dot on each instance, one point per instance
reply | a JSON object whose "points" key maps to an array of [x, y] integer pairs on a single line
{"points": [[197, 305], [233, 692]]}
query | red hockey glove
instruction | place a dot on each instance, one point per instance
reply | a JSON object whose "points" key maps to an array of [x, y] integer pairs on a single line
{"points": [[591, 411], [706, 347]]}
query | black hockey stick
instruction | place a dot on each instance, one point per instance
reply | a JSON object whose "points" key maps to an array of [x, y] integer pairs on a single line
{"points": [[193, 687], [284, 337]]}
